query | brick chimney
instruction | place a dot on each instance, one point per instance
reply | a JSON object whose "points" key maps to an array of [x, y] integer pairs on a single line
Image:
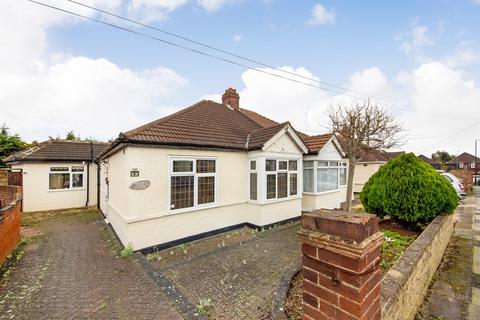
{"points": [[231, 98]]}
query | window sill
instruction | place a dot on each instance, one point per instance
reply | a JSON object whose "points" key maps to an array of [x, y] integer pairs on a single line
{"points": [[270, 201], [63, 190], [321, 193], [191, 209]]}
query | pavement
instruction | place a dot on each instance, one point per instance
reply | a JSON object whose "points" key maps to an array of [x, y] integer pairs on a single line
{"points": [[72, 270], [474, 306], [455, 290]]}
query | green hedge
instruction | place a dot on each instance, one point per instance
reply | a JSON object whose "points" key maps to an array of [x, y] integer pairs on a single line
{"points": [[409, 190]]}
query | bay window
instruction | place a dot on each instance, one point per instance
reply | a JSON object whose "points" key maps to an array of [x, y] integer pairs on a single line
{"points": [[323, 176], [280, 178], [65, 177], [192, 183]]}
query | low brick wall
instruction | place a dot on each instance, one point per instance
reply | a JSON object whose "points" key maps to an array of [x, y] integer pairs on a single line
{"points": [[405, 285], [9, 219]]}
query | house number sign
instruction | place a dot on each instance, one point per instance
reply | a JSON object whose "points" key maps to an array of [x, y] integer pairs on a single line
{"points": [[140, 185]]}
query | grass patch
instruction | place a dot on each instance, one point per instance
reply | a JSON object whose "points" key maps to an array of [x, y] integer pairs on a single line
{"points": [[203, 307], [127, 251]]}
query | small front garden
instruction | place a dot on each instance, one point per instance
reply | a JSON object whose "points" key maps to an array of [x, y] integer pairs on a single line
{"points": [[397, 240], [406, 194]]}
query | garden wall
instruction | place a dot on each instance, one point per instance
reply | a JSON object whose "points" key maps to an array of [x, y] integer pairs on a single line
{"points": [[405, 285], [10, 197]]}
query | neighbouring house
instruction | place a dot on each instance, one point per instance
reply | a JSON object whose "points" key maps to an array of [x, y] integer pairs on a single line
{"points": [[58, 174], [211, 167], [368, 165], [431, 162], [464, 161]]}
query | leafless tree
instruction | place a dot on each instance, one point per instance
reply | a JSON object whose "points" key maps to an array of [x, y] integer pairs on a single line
{"points": [[362, 128]]}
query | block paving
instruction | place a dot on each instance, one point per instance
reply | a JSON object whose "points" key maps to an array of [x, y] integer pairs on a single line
{"points": [[74, 271]]}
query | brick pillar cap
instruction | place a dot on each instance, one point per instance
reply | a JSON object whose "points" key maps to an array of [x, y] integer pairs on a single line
{"points": [[347, 225]]}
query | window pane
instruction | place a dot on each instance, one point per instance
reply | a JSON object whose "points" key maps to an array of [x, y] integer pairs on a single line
{"points": [[77, 169], [181, 192], [282, 185], [182, 166], [205, 166], [253, 186], [59, 181], [333, 163], [327, 179], [343, 176], [270, 165], [323, 163], [292, 165], [253, 165], [293, 184], [77, 180], [271, 186], [308, 164], [59, 169], [206, 190], [308, 180], [282, 165]]}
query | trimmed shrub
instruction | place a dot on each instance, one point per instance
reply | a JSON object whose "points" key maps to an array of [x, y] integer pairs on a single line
{"points": [[408, 190]]}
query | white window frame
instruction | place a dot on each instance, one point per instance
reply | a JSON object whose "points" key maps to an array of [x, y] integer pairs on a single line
{"points": [[276, 172], [195, 175], [340, 165], [250, 171], [71, 173]]}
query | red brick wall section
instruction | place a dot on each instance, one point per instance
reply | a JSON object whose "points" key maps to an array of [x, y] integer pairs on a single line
{"points": [[9, 221], [341, 265]]}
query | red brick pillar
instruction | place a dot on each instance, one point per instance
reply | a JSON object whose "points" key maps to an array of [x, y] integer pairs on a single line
{"points": [[341, 265]]}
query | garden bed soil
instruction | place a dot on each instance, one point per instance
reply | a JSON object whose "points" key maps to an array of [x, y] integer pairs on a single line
{"points": [[399, 240]]}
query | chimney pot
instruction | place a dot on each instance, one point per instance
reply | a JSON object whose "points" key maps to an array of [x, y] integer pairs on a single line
{"points": [[231, 98]]}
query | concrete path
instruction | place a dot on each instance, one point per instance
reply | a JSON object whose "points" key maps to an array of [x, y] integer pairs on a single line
{"points": [[474, 307], [449, 295], [74, 271]]}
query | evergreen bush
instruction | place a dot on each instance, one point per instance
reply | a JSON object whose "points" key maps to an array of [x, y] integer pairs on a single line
{"points": [[409, 190]]}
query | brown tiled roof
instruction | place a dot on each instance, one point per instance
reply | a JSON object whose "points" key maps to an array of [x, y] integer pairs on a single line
{"points": [[379, 156], [426, 159], [258, 137], [60, 150], [464, 157], [205, 123], [258, 118], [316, 143]]}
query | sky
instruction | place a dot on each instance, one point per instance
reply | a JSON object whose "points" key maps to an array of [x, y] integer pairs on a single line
{"points": [[418, 59]]}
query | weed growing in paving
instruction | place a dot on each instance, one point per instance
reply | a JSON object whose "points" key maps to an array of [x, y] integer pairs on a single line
{"points": [[127, 251], [393, 247], [203, 307]]}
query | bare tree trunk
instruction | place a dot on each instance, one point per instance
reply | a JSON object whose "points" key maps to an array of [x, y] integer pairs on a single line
{"points": [[351, 174]]}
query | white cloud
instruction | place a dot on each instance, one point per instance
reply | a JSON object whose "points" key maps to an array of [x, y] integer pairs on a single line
{"points": [[418, 36], [321, 15], [435, 103], [153, 10], [465, 55], [212, 5], [237, 38], [46, 93]]}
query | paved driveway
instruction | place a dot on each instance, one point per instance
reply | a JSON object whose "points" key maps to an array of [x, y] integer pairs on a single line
{"points": [[240, 279], [74, 272]]}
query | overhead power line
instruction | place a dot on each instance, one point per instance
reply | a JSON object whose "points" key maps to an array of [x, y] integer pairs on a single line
{"points": [[232, 54], [226, 60]]}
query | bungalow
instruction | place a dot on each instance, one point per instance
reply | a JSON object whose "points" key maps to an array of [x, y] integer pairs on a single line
{"points": [[464, 161], [58, 174], [431, 162], [368, 165], [211, 167]]}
